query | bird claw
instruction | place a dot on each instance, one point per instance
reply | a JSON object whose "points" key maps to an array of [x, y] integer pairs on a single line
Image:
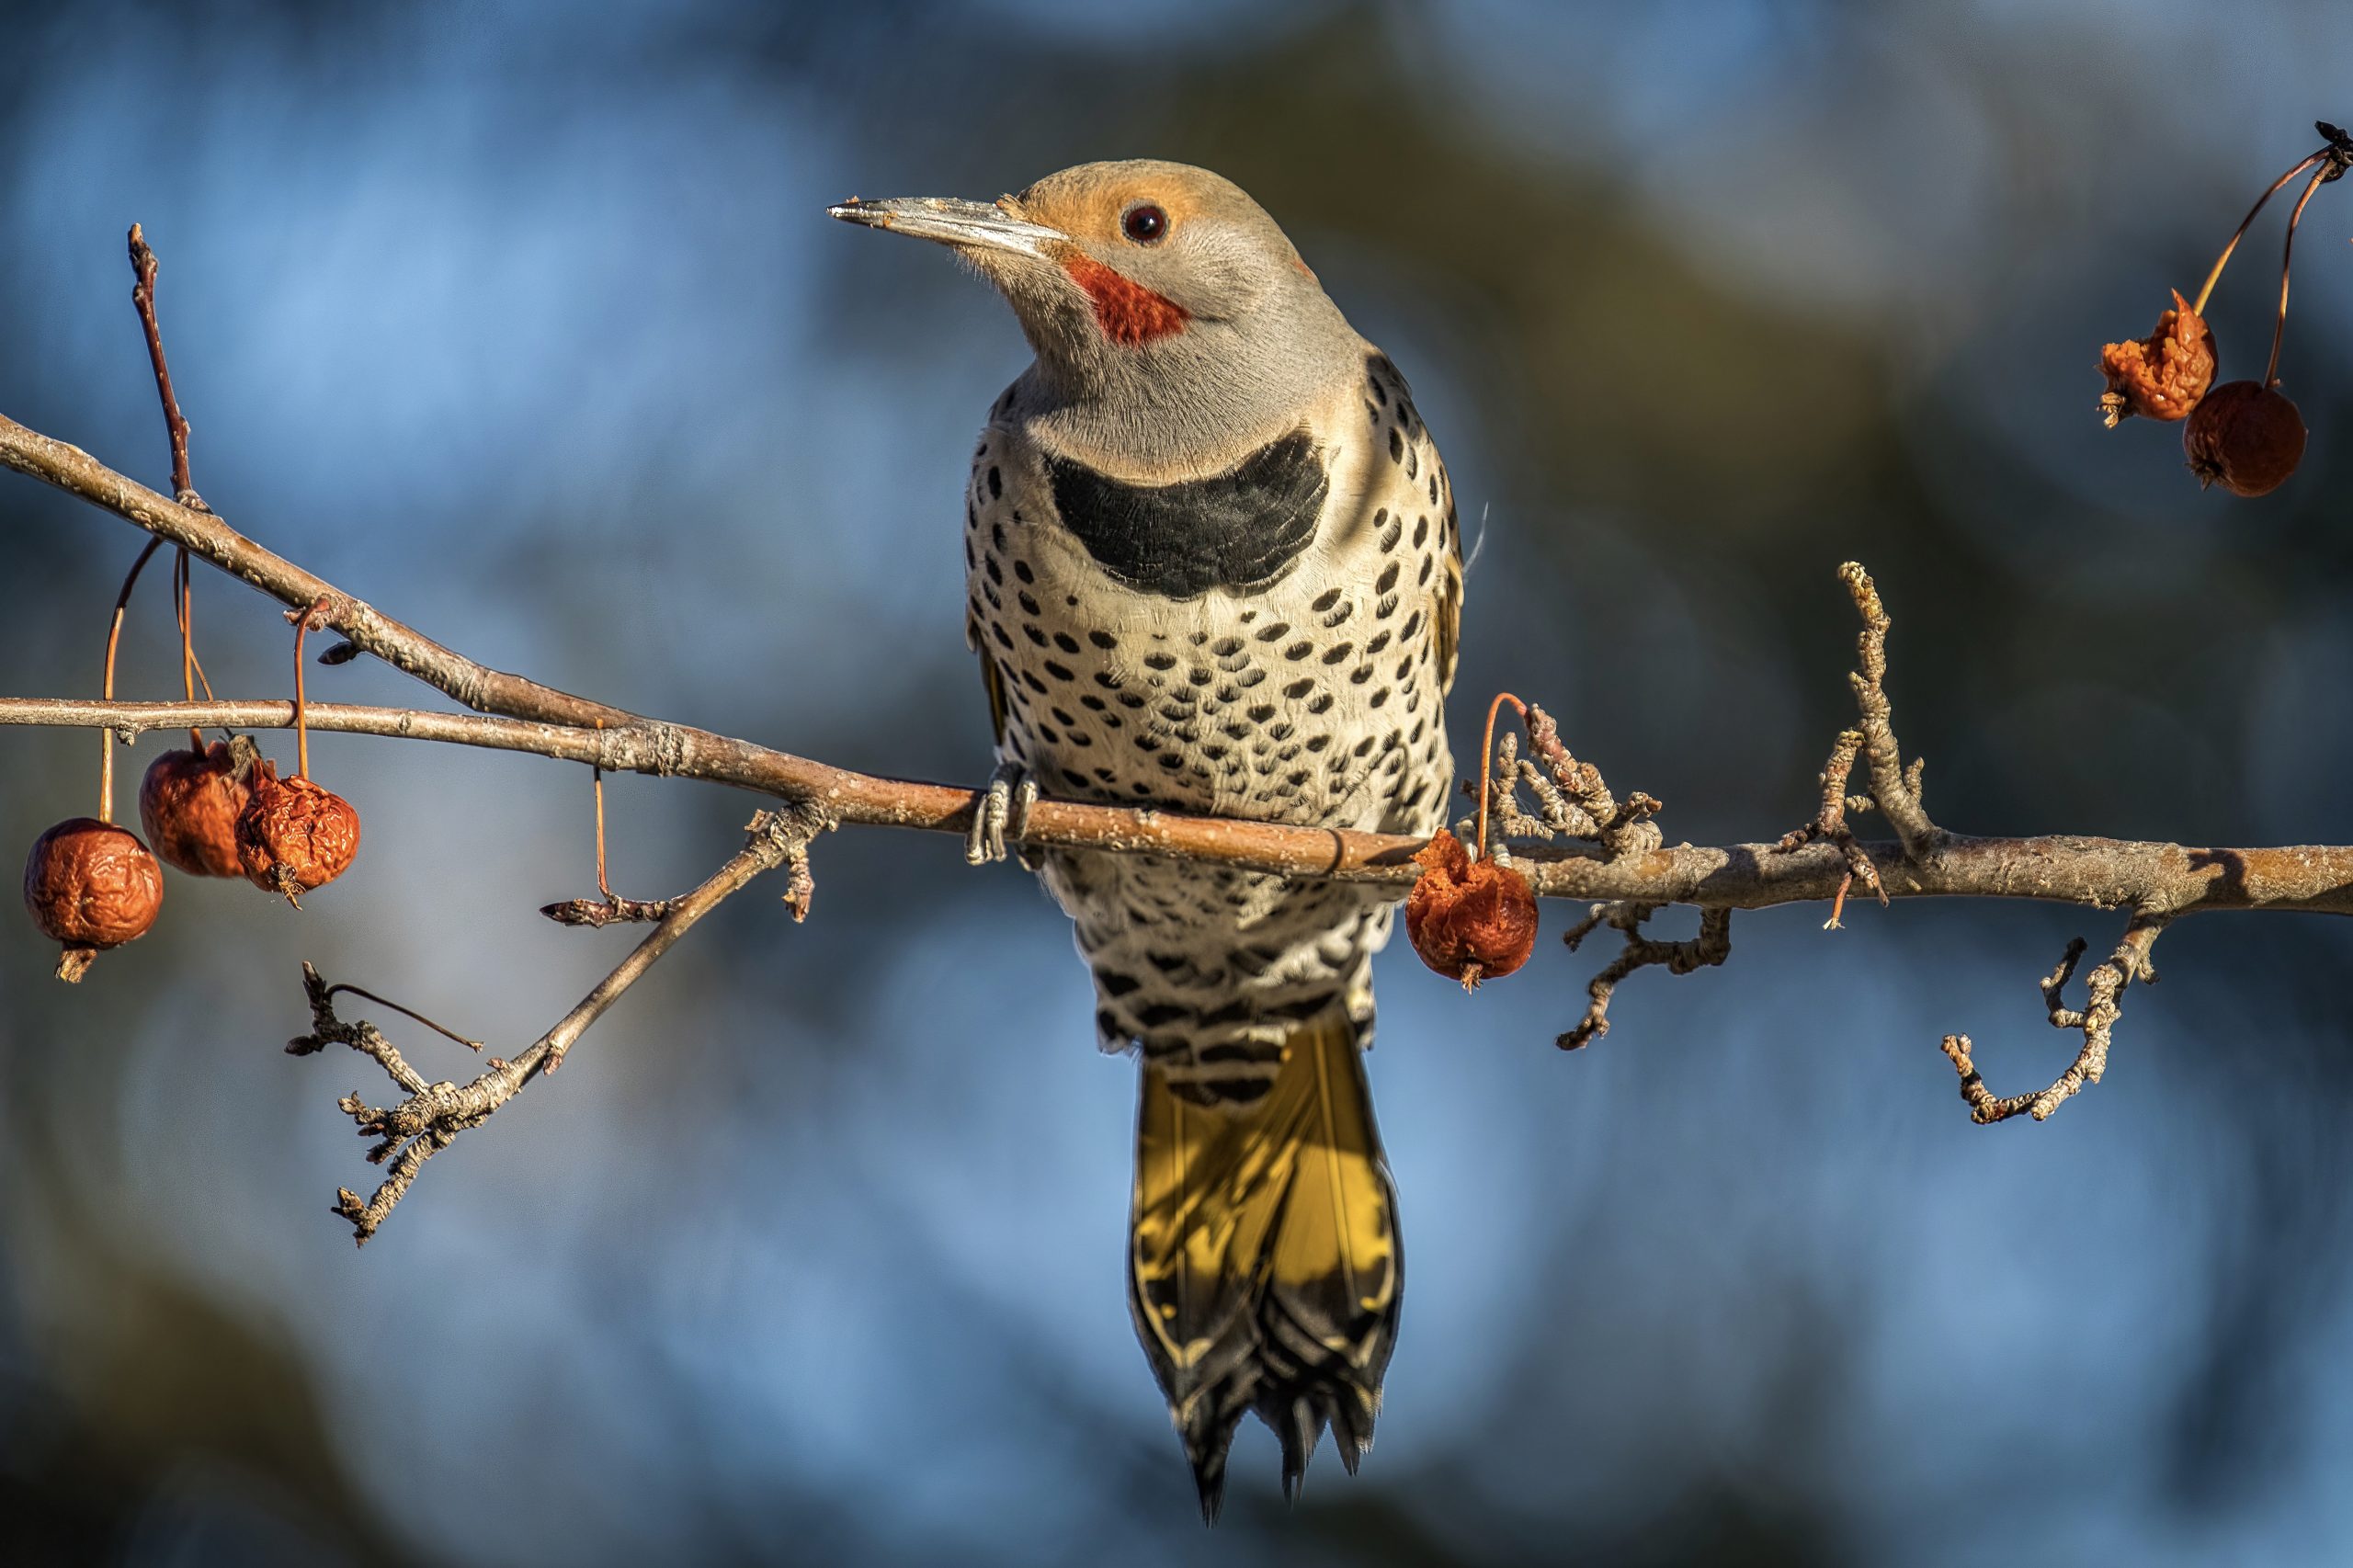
{"points": [[1003, 813]]}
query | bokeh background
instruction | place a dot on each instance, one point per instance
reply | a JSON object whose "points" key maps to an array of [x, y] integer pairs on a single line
{"points": [[525, 323]]}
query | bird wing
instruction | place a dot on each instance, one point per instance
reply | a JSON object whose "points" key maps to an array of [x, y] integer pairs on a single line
{"points": [[992, 679]]}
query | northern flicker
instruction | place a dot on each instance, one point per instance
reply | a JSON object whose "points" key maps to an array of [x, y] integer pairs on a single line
{"points": [[1213, 566]]}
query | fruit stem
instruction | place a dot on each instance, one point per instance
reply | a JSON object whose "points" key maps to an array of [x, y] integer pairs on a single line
{"points": [[2214, 276], [1487, 759], [405, 1012], [114, 637], [603, 887], [302, 694], [2279, 327], [183, 601]]}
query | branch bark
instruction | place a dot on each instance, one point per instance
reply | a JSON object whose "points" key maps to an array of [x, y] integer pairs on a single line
{"points": [[2104, 874]]}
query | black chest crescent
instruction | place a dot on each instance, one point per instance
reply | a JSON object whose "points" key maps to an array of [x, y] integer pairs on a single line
{"points": [[1233, 530]]}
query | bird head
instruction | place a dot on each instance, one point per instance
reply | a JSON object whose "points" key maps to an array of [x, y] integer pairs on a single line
{"points": [[1140, 279]]}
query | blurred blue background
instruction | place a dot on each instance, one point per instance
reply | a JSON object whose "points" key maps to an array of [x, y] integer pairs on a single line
{"points": [[525, 323]]}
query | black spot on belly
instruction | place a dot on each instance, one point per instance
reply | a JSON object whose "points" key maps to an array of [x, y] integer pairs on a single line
{"points": [[1236, 530]]}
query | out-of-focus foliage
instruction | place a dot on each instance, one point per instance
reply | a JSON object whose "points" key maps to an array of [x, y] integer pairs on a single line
{"points": [[526, 324]]}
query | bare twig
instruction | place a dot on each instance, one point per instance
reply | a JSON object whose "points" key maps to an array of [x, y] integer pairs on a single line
{"points": [[610, 910], [433, 1114], [2103, 1005], [1830, 824], [1893, 787], [1713, 946], [1572, 800], [366, 994], [142, 295]]}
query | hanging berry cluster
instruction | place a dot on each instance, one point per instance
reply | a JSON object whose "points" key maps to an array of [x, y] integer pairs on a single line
{"points": [[217, 810], [2245, 435]]}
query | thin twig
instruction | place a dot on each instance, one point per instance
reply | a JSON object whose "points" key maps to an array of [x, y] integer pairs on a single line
{"points": [[433, 1114], [405, 1012], [1830, 824], [1893, 787], [1713, 946], [142, 295], [609, 910], [2103, 1005]]}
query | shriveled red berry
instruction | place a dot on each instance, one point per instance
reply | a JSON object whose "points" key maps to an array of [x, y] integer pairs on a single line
{"points": [[2244, 437], [1471, 920], [91, 885], [188, 802], [2163, 375], [294, 834]]}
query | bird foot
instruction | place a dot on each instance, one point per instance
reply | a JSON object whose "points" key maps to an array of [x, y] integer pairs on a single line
{"points": [[1003, 813]]}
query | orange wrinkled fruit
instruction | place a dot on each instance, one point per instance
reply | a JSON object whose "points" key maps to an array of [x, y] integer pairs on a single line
{"points": [[2163, 375], [2244, 437], [1470, 920], [190, 803], [91, 886], [294, 834]]}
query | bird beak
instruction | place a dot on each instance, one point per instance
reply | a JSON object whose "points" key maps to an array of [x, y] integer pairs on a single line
{"points": [[981, 224]]}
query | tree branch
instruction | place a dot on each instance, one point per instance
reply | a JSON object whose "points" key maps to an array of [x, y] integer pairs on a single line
{"points": [[430, 1118], [2104, 874], [2103, 1005]]}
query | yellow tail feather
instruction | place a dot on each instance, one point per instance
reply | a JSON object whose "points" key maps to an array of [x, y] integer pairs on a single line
{"points": [[1264, 1266]]}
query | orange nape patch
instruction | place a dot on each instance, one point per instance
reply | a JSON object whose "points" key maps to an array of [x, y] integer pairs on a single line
{"points": [[1127, 311]]}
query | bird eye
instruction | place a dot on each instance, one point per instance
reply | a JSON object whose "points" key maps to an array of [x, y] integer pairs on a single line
{"points": [[1144, 223]]}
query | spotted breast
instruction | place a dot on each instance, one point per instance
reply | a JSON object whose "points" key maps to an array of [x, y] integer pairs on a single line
{"points": [[1271, 641]]}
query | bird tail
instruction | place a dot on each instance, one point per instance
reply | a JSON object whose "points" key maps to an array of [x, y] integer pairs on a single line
{"points": [[1264, 1268]]}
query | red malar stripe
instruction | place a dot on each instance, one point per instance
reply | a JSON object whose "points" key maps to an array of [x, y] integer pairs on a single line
{"points": [[1127, 312]]}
